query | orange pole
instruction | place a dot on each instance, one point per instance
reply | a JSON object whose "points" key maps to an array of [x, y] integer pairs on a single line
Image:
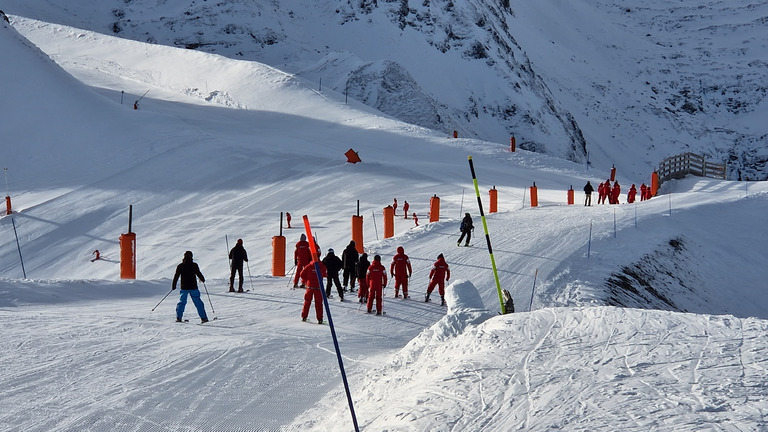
{"points": [[534, 196], [278, 255], [512, 144], [613, 173], [434, 209], [128, 256], [455, 134], [8, 205], [389, 222], [654, 183], [357, 233], [570, 196], [494, 200]]}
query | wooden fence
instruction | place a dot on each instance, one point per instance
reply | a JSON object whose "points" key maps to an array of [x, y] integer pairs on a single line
{"points": [[679, 166]]}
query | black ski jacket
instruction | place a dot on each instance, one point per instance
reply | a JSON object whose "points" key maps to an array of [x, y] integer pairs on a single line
{"points": [[332, 264], [238, 255], [350, 257], [189, 272]]}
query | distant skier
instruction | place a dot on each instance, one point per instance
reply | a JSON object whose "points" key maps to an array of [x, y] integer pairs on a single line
{"points": [[310, 280], [362, 273], [333, 265], [302, 256], [288, 219], [189, 272], [96, 254], [349, 259], [415, 219], [643, 192], [376, 278], [400, 270], [588, 189], [237, 256], [406, 206], [394, 207], [631, 194], [439, 274], [466, 228], [615, 192], [604, 191]]}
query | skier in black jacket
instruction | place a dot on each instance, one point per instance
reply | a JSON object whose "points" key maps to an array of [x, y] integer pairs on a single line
{"points": [[466, 229], [237, 255], [349, 259], [189, 271], [333, 265]]}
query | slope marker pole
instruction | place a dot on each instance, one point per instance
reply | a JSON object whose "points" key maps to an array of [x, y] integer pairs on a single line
{"points": [[315, 259], [487, 237]]}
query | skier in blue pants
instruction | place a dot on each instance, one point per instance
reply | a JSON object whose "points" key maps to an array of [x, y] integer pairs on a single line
{"points": [[189, 271]]}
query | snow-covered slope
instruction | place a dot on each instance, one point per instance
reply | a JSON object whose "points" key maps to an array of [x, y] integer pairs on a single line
{"points": [[219, 147], [627, 84]]}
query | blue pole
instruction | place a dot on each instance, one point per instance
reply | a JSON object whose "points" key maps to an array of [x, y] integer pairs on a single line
{"points": [[315, 258], [24, 272], [589, 243]]}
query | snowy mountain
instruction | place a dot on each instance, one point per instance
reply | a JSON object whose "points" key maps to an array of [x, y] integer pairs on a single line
{"points": [[615, 81], [650, 316]]}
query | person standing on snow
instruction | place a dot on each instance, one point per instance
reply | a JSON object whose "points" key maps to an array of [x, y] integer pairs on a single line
{"points": [[362, 273], [643, 191], [631, 194], [349, 259], [333, 265], [615, 192], [302, 256], [288, 219], [406, 206], [439, 274], [400, 270], [588, 189], [313, 292], [189, 272], [237, 256], [466, 228], [394, 207], [376, 278]]}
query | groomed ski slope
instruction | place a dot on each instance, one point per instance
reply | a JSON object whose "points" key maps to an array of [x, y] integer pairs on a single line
{"points": [[220, 147]]}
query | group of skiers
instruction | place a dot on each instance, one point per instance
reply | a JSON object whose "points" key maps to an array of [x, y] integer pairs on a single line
{"points": [[612, 193], [360, 275]]}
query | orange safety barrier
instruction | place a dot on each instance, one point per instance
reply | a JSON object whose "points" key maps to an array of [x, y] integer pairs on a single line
{"points": [[493, 193], [534, 196], [278, 255], [357, 233], [613, 173], [389, 222], [455, 134], [8, 208], [654, 183], [570, 196], [434, 209], [512, 144], [128, 256]]}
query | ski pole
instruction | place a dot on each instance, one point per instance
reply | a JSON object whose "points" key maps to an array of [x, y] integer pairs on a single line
{"points": [[158, 303], [250, 278], [209, 297]]}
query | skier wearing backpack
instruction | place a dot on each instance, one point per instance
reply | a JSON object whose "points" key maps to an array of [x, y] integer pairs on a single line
{"points": [[302, 256], [189, 272], [349, 259], [466, 228], [237, 256], [333, 265], [362, 273], [376, 279], [439, 274], [400, 270], [313, 292]]}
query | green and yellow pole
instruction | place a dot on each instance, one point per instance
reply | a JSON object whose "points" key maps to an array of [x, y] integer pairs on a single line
{"points": [[487, 237]]}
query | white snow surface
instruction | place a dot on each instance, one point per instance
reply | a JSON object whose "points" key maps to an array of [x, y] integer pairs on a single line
{"points": [[219, 147]]}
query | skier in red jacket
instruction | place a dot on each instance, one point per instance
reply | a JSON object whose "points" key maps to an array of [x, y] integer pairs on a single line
{"points": [[615, 193], [631, 194], [309, 278], [302, 256], [439, 274], [643, 192], [377, 280], [400, 270]]}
